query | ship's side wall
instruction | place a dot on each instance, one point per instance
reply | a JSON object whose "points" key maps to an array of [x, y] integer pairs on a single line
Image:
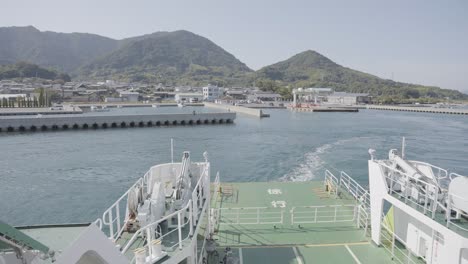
{"points": [[419, 232]]}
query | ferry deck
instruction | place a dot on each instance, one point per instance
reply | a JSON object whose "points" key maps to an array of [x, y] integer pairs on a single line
{"points": [[313, 235]]}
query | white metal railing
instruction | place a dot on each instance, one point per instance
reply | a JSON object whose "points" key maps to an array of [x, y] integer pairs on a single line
{"points": [[98, 223], [389, 240], [454, 175], [250, 215], [420, 194], [331, 183], [346, 183], [214, 213], [186, 219], [112, 217], [149, 233], [355, 189], [439, 174], [323, 214]]}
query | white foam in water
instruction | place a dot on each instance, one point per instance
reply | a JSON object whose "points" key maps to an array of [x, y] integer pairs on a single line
{"points": [[313, 164]]}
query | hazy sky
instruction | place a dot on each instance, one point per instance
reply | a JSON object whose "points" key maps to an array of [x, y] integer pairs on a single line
{"points": [[423, 42]]}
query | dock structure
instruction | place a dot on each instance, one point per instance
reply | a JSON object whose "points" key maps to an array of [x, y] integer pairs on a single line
{"points": [[419, 109], [66, 122], [67, 109], [239, 109], [324, 109]]}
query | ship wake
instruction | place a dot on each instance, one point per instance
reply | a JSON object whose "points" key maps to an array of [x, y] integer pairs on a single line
{"points": [[313, 164]]}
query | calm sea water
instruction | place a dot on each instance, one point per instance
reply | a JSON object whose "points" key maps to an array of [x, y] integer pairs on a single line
{"points": [[63, 177]]}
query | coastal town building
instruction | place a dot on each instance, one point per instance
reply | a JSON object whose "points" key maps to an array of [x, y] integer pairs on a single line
{"points": [[212, 92], [128, 96], [348, 98], [188, 97], [259, 96]]}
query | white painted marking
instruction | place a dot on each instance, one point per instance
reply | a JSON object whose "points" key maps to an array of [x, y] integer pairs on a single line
{"points": [[298, 258], [281, 204], [241, 258], [352, 254], [274, 191]]}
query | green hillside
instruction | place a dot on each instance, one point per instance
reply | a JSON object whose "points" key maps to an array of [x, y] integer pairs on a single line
{"points": [[62, 51], [311, 69], [27, 70], [179, 57]]}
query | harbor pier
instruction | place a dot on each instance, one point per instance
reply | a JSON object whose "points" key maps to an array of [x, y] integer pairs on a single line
{"points": [[239, 109], [64, 122], [453, 111]]}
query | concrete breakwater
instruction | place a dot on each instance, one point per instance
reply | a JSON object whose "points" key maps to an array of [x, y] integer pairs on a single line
{"points": [[67, 109], [64, 122], [420, 109], [239, 109]]}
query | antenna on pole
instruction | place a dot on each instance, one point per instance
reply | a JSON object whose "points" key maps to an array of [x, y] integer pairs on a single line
{"points": [[172, 150]]}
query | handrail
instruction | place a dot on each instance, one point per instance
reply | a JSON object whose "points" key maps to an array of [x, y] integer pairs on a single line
{"points": [[245, 215], [107, 216], [155, 224], [454, 175], [190, 207], [98, 223], [313, 214], [429, 192], [432, 167], [355, 189]]}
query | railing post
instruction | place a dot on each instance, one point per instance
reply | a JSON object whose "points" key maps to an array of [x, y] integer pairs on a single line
{"points": [[449, 210], [191, 218], [117, 212], [393, 245], [357, 212], [425, 200], [179, 227], [258, 215], [237, 216], [111, 224], [315, 216], [292, 216], [336, 208], [282, 215], [148, 241]]}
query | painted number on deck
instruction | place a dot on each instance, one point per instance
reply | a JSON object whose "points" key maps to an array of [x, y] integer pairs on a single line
{"points": [[281, 204], [274, 191]]}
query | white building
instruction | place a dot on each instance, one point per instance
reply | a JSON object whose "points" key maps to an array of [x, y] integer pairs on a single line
{"points": [[129, 96], [264, 96], [212, 92], [188, 97]]}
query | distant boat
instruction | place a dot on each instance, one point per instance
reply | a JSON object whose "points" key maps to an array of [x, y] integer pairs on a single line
{"points": [[180, 105], [154, 105], [119, 106]]}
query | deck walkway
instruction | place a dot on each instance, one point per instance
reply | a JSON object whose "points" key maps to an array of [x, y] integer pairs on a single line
{"points": [[287, 243]]}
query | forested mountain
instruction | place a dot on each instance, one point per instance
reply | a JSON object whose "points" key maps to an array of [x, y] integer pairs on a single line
{"points": [[184, 58], [27, 70], [311, 69], [65, 52], [176, 57]]}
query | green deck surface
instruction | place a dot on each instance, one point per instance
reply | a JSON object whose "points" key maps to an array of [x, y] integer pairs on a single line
{"points": [[287, 243]]}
